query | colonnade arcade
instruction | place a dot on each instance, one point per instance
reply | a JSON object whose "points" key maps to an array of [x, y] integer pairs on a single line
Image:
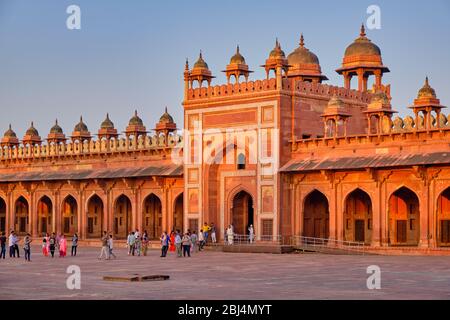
{"points": [[88, 211], [403, 220]]}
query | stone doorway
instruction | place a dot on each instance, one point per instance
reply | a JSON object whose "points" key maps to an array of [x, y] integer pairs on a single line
{"points": [[242, 213]]}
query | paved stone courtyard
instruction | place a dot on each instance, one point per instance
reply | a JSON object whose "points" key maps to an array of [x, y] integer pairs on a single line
{"points": [[217, 275]]}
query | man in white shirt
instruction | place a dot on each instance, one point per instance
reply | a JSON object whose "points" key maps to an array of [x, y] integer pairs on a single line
{"points": [[11, 243]]}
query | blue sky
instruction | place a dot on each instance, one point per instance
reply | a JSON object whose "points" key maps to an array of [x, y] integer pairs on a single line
{"points": [[130, 54]]}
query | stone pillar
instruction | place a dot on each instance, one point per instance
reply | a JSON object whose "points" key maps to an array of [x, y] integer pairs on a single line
{"points": [[279, 78], [82, 228], [80, 213], [347, 81], [9, 223], [365, 78], [424, 213], [376, 216], [377, 78], [360, 73], [33, 215], [336, 214]]}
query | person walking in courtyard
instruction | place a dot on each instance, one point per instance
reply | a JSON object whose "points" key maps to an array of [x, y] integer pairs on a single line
{"points": [[178, 243], [194, 240], [201, 240], [27, 247], [213, 233], [73, 251], [137, 244], [3, 245], [62, 246], [172, 241], [251, 234], [165, 240], [45, 245], [144, 243], [16, 244], [12, 250], [206, 230], [52, 244], [130, 243], [111, 246], [230, 235], [105, 247], [186, 242]]}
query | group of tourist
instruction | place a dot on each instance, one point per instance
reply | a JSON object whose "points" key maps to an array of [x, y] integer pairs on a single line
{"points": [[189, 242], [137, 244], [13, 244], [53, 242]]}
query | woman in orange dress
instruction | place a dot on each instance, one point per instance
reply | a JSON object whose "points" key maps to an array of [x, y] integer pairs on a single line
{"points": [[172, 242]]}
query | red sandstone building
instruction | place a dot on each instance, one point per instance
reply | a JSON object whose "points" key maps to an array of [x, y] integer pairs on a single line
{"points": [[288, 154]]}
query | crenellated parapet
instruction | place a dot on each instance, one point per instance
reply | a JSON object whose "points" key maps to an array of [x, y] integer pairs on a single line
{"points": [[155, 143]]}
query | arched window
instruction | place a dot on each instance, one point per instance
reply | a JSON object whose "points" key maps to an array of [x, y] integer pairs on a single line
{"points": [[241, 162]]}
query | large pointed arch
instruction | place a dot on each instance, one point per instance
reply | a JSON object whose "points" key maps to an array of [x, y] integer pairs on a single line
{"points": [[242, 212], [21, 215], [94, 215], [358, 217], [2, 215], [45, 215], [69, 213], [316, 215], [122, 217], [443, 218], [152, 216], [404, 217]]}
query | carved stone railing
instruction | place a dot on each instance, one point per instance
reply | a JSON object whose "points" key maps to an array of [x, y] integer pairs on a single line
{"points": [[92, 147]]}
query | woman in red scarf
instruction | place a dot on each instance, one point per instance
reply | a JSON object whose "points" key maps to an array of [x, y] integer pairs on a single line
{"points": [[172, 242]]}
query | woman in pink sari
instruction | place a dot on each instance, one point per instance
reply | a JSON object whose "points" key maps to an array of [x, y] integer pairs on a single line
{"points": [[62, 246], [45, 245]]}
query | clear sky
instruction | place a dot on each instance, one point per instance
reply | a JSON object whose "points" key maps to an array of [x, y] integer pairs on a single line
{"points": [[130, 54]]}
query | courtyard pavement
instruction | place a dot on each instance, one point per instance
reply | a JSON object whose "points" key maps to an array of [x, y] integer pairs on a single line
{"points": [[217, 275]]}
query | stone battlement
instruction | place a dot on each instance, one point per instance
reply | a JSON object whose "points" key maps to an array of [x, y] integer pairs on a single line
{"points": [[90, 148], [266, 85]]}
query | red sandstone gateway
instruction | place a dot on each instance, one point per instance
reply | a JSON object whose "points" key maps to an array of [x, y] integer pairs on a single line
{"points": [[331, 162]]}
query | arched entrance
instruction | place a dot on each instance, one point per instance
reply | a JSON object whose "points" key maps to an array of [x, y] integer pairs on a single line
{"points": [[316, 216], [152, 216], [242, 212], [122, 217], [404, 218], [443, 206], [358, 217], [44, 210], [70, 215], [178, 213], [2, 215], [94, 217], [21, 216]]}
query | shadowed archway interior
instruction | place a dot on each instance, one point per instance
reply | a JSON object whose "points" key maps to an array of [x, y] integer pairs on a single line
{"points": [[242, 212]]}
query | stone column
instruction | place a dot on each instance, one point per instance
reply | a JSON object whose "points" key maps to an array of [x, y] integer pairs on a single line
{"points": [[336, 214], [360, 73], [9, 223], [376, 216], [424, 213]]}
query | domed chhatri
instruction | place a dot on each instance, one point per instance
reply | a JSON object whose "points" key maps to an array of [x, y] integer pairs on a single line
{"points": [[237, 67], [335, 107], [135, 127], [31, 136], [362, 58], [363, 46], [426, 91], [107, 129], [135, 120], [10, 133], [32, 131], [427, 103], [81, 132], [9, 138], [81, 126], [56, 129], [56, 134], [166, 117], [277, 59], [200, 72], [277, 52], [335, 118], [200, 64], [304, 64], [237, 58], [107, 123]]}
